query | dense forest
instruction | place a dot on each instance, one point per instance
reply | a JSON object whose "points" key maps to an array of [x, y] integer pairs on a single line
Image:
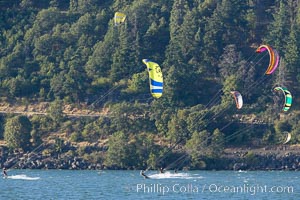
{"points": [[69, 52]]}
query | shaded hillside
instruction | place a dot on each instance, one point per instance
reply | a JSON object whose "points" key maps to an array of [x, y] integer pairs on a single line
{"points": [[42, 108]]}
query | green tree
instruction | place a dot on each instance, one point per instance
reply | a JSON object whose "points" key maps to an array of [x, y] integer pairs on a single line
{"points": [[177, 127], [138, 83], [99, 63], [84, 6], [279, 27], [123, 57], [84, 25], [281, 126], [161, 113], [197, 146], [117, 154], [292, 49], [91, 132], [229, 60], [224, 27], [140, 149], [55, 112], [292, 58], [230, 84], [59, 145], [17, 132], [217, 143]]}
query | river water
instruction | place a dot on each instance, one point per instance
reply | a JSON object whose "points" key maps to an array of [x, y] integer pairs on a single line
{"points": [[128, 185]]}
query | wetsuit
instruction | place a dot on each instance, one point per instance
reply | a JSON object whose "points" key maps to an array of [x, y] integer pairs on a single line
{"points": [[4, 172], [143, 174]]}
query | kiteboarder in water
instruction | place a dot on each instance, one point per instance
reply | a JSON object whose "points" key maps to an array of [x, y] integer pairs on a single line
{"points": [[161, 170], [4, 172], [142, 173]]}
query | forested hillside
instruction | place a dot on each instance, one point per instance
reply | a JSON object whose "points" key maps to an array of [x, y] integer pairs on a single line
{"points": [[69, 52]]}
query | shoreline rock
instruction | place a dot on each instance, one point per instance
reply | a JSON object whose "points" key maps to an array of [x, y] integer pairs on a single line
{"points": [[271, 158]]}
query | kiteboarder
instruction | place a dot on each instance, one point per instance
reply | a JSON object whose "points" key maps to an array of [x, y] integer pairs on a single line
{"points": [[161, 170], [4, 172], [142, 173]]}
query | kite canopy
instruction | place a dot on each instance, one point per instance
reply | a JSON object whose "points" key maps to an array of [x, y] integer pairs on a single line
{"points": [[155, 78], [288, 137], [238, 99], [288, 97], [274, 57], [119, 18]]}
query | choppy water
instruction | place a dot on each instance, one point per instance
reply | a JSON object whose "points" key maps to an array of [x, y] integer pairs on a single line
{"points": [[128, 185]]}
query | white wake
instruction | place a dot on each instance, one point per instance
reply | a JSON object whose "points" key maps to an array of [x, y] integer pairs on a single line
{"points": [[174, 175], [23, 177]]}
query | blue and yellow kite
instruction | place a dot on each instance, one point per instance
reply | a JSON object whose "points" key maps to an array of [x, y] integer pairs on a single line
{"points": [[155, 78]]}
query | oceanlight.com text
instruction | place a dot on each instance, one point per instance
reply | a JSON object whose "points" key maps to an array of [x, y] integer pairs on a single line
{"points": [[247, 188], [254, 189]]}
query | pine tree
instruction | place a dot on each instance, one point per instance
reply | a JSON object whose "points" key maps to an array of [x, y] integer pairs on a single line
{"points": [[278, 30], [17, 132]]}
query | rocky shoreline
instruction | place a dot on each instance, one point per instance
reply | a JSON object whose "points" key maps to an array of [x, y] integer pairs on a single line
{"points": [[265, 158], [271, 158], [20, 160], [42, 162]]}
